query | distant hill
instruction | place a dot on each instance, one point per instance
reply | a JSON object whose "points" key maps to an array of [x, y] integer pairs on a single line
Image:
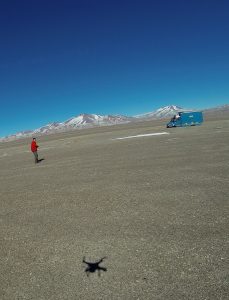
{"points": [[218, 109]]}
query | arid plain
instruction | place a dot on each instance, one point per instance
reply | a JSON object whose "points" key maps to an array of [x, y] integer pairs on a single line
{"points": [[156, 207]]}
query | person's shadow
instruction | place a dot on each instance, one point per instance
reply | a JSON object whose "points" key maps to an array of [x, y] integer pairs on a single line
{"points": [[40, 160], [92, 267]]}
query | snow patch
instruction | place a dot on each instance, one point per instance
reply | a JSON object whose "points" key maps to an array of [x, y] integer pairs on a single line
{"points": [[140, 135]]}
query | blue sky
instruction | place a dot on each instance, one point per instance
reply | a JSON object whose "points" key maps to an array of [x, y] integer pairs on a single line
{"points": [[62, 58]]}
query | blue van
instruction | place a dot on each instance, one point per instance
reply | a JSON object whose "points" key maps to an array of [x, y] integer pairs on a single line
{"points": [[186, 119]]}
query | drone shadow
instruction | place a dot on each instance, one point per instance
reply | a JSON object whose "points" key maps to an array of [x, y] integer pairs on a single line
{"points": [[92, 267]]}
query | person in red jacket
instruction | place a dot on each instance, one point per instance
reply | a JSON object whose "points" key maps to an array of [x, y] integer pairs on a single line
{"points": [[34, 148]]}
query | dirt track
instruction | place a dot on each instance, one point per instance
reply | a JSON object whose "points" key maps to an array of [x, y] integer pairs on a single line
{"points": [[156, 207]]}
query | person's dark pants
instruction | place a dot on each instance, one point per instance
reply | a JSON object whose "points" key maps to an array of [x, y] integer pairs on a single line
{"points": [[35, 156]]}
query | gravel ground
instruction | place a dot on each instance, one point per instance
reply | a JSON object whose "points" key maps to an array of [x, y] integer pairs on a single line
{"points": [[156, 207]]}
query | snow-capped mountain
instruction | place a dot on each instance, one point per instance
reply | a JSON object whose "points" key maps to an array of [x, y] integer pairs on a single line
{"points": [[92, 119], [47, 128], [78, 122], [162, 112]]}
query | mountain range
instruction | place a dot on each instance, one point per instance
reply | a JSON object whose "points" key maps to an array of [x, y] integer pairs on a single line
{"points": [[92, 120]]}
